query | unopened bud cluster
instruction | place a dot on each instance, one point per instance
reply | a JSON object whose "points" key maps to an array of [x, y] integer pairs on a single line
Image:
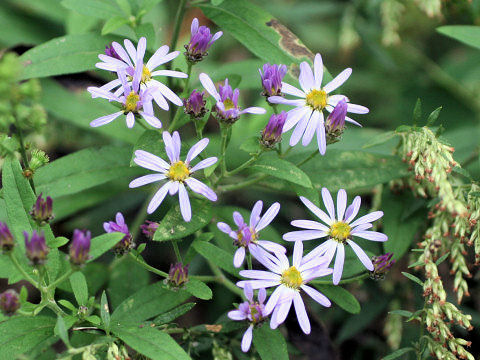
{"points": [[178, 275]]}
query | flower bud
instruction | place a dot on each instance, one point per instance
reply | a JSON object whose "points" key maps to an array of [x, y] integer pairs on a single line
{"points": [[36, 248], [80, 247], [381, 265], [42, 210], [195, 105], [178, 274], [38, 159], [200, 42], [335, 123], [124, 245], [6, 239], [9, 302], [149, 228], [272, 79], [110, 51], [272, 134]]}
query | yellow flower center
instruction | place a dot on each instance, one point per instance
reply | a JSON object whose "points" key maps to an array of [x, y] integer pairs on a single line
{"points": [[228, 104], [131, 102], [292, 278], [178, 171], [146, 74], [317, 99], [340, 231]]}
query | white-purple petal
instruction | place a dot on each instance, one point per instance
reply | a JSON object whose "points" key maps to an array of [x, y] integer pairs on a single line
{"points": [[364, 258], [185, 208], [268, 217], [196, 149], [371, 235], [209, 86], [315, 210], [302, 235], [367, 218], [341, 203], [357, 109], [338, 80], [237, 315], [146, 179], [238, 257], [260, 275], [158, 197], [247, 339], [105, 119], [338, 266], [317, 296], [318, 71], [306, 77], [328, 201], [255, 215], [302, 316], [292, 90], [204, 164]]}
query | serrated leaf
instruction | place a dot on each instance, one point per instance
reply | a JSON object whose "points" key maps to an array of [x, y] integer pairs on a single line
{"points": [[198, 289], [397, 353], [171, 315], [173, 227], [216, 255], [467, 34], [413, 278], [341, 297], [113, 24], [269, 343], [79, 287], [282, 169]]}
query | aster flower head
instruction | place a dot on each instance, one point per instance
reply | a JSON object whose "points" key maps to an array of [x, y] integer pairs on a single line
{"points": [[134, 102], [200, 42], [247, 236], [251, 311], [314, 98], [195, 105], [227, 107], [149, 228], [272, 134], [119, 225], [36, 248], [41, 211], [272, 77], [289, 280], [381, 265], [80, 247], [177, 173], [7, 241], [131, 61], [339, 228], [177, 275], [9, 302]]}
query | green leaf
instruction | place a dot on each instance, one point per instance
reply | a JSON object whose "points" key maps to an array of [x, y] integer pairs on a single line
{"points": [[59, 241], [125, 6], [397, 353], [148, 302], [113, 24], [413, 278], [63, 55], [20, 335], [101, 244], [67, 304], [171, 315], [417, 112], [173, 227], [61, 330], [442, 258], [341, 297], [84, 169], [217, 2], [101, 9], [250, 145], [282, 169], [198, 289], [433, 116], [403, 313], [258, 31], [467, 34], [105, 311], [216, 255], [79, 287], [154, 344], [270, 344], [379, 139]]}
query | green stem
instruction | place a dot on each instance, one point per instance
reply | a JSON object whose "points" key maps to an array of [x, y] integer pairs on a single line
{"points": [[61, 279], [342, 282], [22, 271], [242, 184], [204, 278], [22, 146], [176, 32], [148, 267], [178, 113], [310, 157], [225, 130], [249, 261], [223, 280], [177, 252], [244, 165]]}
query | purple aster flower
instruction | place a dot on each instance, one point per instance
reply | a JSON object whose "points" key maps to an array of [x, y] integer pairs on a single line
{"points": [[149, 228], [381, 265], [272, 79], [41, 211], [110, 51], [36, 248], [178, 274], [227, 100], [247, 235], [200, 42], [177, 173], [6, 239], [132, 61], [272, 134], [9, 302], [80, 247], [119, 225], [251, 311], [308, 113], [134, 101], [288, 280], [195, 104], [340, 229]]}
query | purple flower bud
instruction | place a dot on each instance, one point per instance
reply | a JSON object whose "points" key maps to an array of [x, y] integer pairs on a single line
{"points": [[178, 274], [272, 134], [336, 119], [381, 265], [36, 248], [272, 79], [195, 104], [110, 51], [80, 247], [6, 239], [9, 302], [42, 210], [200, 41], [149, 228], [124, 245]]}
